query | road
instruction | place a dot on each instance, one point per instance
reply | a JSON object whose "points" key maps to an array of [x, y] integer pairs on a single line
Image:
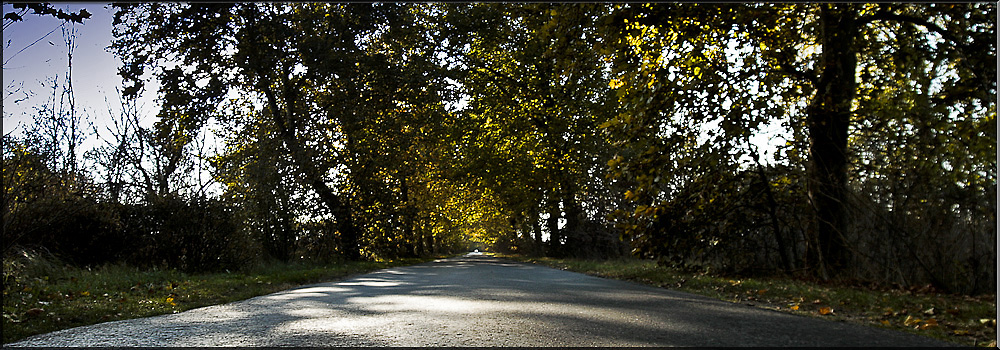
{"points": [[477, 300]]}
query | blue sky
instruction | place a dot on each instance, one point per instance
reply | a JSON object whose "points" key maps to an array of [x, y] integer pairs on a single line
{"points": [[95, 70]]}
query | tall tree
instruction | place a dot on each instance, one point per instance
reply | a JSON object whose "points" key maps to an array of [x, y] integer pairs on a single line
{"points": [[804, 59], [332, 80], [537, 94]]}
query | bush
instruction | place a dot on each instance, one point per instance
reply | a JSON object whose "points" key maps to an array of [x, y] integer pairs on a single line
{"points": [[196, 235]]}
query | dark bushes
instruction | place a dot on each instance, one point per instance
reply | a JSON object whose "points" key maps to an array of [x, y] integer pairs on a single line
{"points": [[189, 235]]}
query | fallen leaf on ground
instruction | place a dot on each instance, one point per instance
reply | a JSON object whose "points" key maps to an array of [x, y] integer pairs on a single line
{"points": [[928, 324], [826, 310]]}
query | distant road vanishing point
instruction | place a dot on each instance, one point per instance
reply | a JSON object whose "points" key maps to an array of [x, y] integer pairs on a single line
{"points": [[478, 300]]}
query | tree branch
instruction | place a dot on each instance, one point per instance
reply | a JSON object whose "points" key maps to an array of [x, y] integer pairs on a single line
{"points": [[883, 15]]}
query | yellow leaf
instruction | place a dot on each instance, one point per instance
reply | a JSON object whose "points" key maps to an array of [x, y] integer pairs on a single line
{"points": [[911, 321], [640, 209], [961, 332], [170, 300], [85, 293], [826, 310], [928, 324], [650, 211], [795, 307], [885, 322]]}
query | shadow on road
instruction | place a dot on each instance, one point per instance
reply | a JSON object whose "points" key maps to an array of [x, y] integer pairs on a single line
{"points": [[477, 300]]}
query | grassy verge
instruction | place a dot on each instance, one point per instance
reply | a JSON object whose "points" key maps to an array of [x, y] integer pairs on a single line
{"points": [[40, 296], [955, 318]]}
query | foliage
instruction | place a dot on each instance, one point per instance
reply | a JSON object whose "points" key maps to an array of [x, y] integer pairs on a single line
{"points": [[532, 111], [696, 81], [43, 9]]}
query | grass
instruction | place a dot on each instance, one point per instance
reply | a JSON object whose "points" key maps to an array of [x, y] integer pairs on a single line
{"points": [[40, 296], [961, 319]]}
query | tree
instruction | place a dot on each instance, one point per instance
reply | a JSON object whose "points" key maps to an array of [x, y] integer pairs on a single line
{"points": [[536, 94], [804, 59], [323, 75]]}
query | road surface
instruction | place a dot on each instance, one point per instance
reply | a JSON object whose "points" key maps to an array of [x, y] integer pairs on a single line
{"points": [[477, 300]]}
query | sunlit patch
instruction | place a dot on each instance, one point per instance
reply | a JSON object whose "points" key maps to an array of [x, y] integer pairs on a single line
{"points": [[308, 292], [320, 290], [402, 303], [312, 312], [371, 284]]}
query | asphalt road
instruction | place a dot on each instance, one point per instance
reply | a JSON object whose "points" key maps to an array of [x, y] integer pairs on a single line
{"points": [[477, 300]]}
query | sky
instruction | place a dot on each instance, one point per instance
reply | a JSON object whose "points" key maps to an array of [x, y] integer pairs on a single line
{"points": [[95, 70]]}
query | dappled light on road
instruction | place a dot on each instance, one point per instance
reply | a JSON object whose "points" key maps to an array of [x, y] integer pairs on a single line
{"points": [[476, 301]]}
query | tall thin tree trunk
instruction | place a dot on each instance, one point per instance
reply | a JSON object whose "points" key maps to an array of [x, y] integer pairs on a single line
{"points": [[552, 222], [536, 229]]}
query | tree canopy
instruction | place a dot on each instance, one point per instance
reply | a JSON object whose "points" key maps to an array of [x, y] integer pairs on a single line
{"points": [[381, 130]]}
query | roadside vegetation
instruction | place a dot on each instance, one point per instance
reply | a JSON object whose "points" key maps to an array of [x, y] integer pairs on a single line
{"points": [[969, 320], [41, 294]]}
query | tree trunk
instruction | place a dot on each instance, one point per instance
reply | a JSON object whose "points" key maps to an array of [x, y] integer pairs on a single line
{"points": [[284, 121], [829, 115], [574, 213], [536, 230], [772, 212], [552, 223], [411, 240]]}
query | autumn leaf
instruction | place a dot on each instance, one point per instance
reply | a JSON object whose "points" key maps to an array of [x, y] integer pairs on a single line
{"points": [[85, 293], [170, 301], [928, 324], [795, 307], [826, 310], [911, 321]]}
